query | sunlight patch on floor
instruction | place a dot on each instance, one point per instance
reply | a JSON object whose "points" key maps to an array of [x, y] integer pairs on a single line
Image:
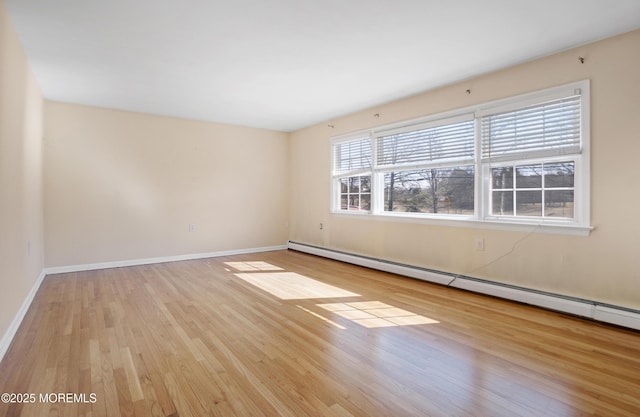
{"points": [[253, 266], [293, 286], [376, 314], [333, 323]]}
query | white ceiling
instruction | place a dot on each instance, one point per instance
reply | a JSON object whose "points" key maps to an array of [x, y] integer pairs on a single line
{"points": [[287, 64]]}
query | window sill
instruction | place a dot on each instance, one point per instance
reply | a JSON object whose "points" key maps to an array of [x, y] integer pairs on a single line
{"points": [[519, 225]]}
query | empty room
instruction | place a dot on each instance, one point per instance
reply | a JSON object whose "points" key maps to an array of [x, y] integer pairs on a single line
{"points": [[337, 208]]}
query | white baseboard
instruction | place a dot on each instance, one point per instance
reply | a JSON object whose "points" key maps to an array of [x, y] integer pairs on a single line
{"points": [[617, 315], [148, 261], [611, 314], [582, 308], [8, 336], [413, 272]]}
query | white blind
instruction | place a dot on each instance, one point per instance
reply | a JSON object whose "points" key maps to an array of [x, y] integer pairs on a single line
{"points": [[351, 156], [551, 128], [454, 141]]}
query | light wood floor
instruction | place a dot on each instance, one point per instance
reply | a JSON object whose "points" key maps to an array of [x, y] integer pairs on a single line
{"points": [[289, 334]]}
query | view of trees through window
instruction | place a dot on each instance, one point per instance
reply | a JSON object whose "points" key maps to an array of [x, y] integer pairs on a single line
{"points": [[541, 190], [355, 193], [435, 190]]}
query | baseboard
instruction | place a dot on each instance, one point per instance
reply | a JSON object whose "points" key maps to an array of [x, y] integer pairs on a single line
{"points": [[8, 336], [614, 315], [575, 306], [148, 261], [381, 265], [594, 310]]}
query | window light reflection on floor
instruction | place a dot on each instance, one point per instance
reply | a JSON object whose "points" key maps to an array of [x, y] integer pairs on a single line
{"points": [[253, 266], [376, 314], [293, 286], [285, 285], [326, 320]]}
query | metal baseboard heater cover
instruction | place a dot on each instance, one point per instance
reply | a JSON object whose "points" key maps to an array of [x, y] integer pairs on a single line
{"points": [[607, 313]]}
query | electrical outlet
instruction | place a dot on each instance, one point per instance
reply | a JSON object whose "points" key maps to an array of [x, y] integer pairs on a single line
{"points": [[192, 227], [321, 226], [479, 244]]}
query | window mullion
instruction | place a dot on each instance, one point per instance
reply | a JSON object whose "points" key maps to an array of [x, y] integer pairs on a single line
{"points": [[514, 191], [374, 192], [542, 197], [480, 185]]}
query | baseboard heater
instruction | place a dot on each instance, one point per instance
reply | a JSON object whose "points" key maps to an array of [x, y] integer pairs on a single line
{"points": [[621, 316]]}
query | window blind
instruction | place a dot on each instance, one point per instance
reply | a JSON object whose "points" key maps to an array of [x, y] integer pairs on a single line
{"points": [[352, 156], [547, 129], [454, 141]]}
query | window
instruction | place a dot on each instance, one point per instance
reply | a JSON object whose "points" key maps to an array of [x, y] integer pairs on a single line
{"points": [[352, 158], [434, 190], [355, 193], [428, 168], [523, 160], [538, 190]]}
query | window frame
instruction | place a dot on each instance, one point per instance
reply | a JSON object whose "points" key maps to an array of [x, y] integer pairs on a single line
{"points": [[482, 217]]}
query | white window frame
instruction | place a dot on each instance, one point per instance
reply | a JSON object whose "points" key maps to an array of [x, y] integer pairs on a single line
{"points": [[482, 217]]}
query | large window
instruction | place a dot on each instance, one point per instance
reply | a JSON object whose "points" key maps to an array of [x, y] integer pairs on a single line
{"points": [[522, 160]]}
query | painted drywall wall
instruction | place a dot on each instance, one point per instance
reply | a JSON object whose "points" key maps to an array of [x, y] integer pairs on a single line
{"points": [[601, 267], [125, 186], [21, 221]]}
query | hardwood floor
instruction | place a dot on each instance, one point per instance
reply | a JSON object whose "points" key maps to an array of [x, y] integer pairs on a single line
{"points": [[289, 334]]}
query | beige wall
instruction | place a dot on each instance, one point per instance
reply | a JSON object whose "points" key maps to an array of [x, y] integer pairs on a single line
{"points": [[122, 185], [602, 267], [21, 225]]}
